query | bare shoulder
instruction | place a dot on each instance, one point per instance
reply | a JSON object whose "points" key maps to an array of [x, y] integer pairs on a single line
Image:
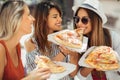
{"points": [[2, 50], [2, 60], [29, 45], [2, 55]]}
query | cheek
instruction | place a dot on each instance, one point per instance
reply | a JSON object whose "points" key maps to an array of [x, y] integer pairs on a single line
{"points": [[26, 29], [88, 30]]}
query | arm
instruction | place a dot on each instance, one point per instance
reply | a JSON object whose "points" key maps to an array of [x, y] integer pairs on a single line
{"points": [[74, 58], [116, 44], [29, 46], [85, 71], [2, 61], [59, 57], [115, 41]]}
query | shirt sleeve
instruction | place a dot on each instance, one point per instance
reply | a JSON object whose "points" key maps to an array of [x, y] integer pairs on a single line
{"points": [[80, 76], [115, 41], [30, 64]]}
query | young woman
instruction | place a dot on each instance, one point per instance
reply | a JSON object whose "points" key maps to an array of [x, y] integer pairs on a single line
{"points": [[15, 21], [89, 16], [48, 20]]}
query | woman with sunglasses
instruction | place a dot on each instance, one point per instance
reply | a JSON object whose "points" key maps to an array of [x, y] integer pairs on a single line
{"points": [[15, 21], [48, 20], [89, 15]]}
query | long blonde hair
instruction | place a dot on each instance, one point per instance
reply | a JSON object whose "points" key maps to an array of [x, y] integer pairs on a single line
{"points": [[10, 17]]}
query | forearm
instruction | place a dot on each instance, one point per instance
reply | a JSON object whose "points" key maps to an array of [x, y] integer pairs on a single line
{"points": [[59, 57], [85, 71], [74, 60]]}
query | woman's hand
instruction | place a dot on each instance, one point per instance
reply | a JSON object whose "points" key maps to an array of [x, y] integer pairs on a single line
{"points": [[66, 51], [38, 74], [86, 71], [74, 58]]}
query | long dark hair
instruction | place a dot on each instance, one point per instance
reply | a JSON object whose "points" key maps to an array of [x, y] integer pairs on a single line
{"points": [[41, 26], [99, 35]]}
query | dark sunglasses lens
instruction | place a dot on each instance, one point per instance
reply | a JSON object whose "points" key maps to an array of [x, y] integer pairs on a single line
{"points": [[76, 19], [84, 20]]}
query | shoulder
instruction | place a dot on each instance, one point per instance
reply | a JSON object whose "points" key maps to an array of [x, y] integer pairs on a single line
{"points": [[114, 34], [2, 49], [29, 45], [3, 61], [2, 54]]}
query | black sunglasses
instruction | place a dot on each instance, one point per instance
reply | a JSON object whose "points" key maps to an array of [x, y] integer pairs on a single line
{"points": [[84, 20]]}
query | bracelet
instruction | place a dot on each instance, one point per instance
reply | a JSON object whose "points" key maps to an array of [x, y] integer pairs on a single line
{"points": [[62, 53]]}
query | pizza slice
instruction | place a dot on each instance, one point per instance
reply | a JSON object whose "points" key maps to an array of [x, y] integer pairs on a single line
{"points": [[70, 38], [45, 62], [103, 58]]}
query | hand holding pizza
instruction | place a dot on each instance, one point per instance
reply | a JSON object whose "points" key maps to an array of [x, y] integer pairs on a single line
{"points": [[45, 62], [66, 51], [39, 74]]}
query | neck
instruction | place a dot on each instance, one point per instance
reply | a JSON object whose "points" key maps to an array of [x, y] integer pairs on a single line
{"points": [[13, 41]]}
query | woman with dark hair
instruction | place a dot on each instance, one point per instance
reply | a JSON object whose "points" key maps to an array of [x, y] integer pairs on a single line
{"points": [[48, 20], [89, 15]]}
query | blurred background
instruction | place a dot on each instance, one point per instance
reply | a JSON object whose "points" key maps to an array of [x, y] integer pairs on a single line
{"points": [[111, 9]]}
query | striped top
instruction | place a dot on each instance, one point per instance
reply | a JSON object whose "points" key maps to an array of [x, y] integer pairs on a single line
{"points": [[30, 57]]}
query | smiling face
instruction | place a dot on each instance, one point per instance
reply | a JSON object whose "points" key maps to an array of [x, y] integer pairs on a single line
{"points": [[83, 13], [54, 20]]}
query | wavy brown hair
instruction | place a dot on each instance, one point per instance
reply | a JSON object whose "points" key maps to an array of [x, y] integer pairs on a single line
{"points": [[41, 27], [99, 35]]}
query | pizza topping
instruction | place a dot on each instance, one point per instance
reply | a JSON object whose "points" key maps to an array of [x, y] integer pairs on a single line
{"points": [[103, 58], [69, 38], [45, 62]]}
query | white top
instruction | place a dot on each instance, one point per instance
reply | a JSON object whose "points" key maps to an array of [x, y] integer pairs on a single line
{"points": [[111, 75]]}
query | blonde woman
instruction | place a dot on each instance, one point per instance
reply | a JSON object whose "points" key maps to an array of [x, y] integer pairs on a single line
{"points": [[15, 21]]}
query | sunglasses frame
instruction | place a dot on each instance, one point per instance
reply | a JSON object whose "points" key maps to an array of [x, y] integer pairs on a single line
{"points": [[84, 19]]}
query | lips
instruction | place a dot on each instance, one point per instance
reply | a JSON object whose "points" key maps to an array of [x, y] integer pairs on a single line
{"points": [[58, 24]]}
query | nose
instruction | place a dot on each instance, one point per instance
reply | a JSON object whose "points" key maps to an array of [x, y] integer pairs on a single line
{"points": [[33, 19], [60, 19]]}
